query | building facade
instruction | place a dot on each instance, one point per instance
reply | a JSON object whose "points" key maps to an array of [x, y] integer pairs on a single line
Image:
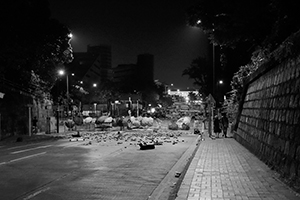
{"points": [[92, 66]]}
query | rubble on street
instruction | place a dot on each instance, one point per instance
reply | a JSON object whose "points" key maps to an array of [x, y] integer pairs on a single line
{"points": [[146, 138]]}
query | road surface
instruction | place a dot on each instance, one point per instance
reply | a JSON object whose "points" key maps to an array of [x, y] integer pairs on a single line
{"points": [[95, 168]]}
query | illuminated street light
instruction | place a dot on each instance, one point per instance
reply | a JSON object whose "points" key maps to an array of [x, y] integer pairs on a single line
{"points": [[61, 73], [213, 57], [94, 84], [220, 82]]}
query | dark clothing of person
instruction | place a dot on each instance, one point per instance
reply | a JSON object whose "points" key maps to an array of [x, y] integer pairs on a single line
{"points": [[120, 123], [34, 122], [217, 128], [225, 123]]}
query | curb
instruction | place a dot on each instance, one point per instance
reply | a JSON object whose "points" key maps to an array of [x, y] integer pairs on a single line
{"points": [[174, 192], [181, 166]]}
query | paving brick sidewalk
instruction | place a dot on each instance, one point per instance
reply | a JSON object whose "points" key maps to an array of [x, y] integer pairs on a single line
{"points": [[224, 169]]}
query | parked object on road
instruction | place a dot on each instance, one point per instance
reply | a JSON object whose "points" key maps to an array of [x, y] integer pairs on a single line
{"points": [[184, 123], [76, 135], [173, 126], [108, 120], [119, 122], [135, 123], [104, 122], [78, 120], [177, 174], [147, 121], [185, 127], [146, 145], [76, 139], [197, 131], [70, 124], [157, 141], [88, 120]]}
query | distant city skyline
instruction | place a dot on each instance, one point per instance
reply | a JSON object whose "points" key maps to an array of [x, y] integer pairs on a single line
{"points": [[132, 28]]}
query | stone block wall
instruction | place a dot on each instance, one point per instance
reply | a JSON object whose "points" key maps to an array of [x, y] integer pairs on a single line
{"points": [[269, 121]]}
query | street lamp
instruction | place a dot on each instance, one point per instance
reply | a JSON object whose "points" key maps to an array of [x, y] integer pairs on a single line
{"points": [[213, 57], [219, 92], [61, 73]]}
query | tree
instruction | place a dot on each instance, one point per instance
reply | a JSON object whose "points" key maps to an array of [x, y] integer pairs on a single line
{"points": [[200, 71], [256, 23], [241, 27], [231, 104], [245, 31], [33, 44]]}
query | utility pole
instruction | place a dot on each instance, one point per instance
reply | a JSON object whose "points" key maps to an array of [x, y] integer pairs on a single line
{"points": [[29, 120], [68, 95], [211, 102], [214, 68]]}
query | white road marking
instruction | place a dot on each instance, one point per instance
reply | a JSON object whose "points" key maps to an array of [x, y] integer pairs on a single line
{"points": [[36, 193], [21, 146], [21, 151], [22, 158]]}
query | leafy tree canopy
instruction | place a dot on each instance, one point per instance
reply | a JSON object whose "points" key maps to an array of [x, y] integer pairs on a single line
{"points": [[259, 23], [245, 31], [200, 71], [32, 44]]}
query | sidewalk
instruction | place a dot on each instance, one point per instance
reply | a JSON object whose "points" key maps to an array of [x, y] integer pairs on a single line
{"points": [[224, 169]]}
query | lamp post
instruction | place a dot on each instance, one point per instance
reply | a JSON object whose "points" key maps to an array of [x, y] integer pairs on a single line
{"points": [[61, 73], [218, 93], [214, 66], [213, 59]]}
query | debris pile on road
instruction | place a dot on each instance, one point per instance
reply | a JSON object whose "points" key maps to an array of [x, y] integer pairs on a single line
{"points": [[183, 123], [145, 139]]}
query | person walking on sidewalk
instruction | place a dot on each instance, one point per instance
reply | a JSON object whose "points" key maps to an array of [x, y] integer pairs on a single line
{"points": [[217, 129], [224, 124]]}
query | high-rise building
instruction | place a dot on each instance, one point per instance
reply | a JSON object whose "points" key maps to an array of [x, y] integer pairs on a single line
{"points": [[92, 66], [122, 72], [145, 69]]}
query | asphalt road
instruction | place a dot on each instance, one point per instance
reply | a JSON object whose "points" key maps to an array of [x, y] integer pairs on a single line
{"points": [[97, 168]]}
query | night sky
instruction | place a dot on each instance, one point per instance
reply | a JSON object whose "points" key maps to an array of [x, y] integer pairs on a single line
{"points": [[135, 27]]}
